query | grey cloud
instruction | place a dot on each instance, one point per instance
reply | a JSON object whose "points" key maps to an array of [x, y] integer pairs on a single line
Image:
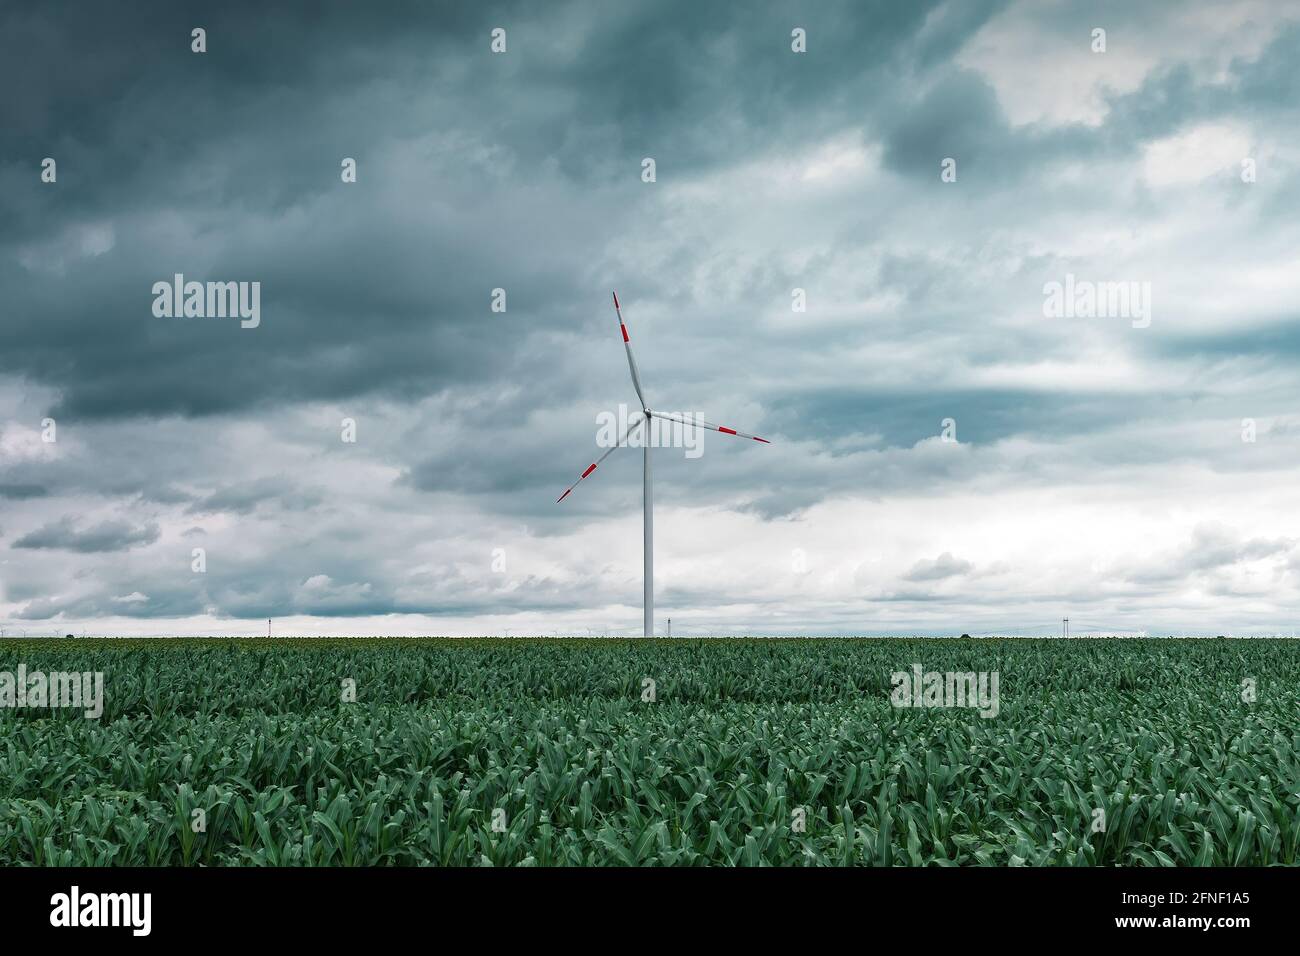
{"points": [[244, 497], [1212, 548], [521, 172], [64, 535], [938, 569], [21, 492]]}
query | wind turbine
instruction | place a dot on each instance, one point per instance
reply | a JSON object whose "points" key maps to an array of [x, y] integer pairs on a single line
{"points": [[647, 499]]}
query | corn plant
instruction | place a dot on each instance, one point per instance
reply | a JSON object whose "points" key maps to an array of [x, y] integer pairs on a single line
{"points": [[497, 752]]}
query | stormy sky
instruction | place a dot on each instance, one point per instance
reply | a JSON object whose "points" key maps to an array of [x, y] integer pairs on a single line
{"points": [[1135, 472]]}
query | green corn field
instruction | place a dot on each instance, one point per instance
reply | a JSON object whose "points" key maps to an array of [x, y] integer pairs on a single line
{"points": [[740, 752]]}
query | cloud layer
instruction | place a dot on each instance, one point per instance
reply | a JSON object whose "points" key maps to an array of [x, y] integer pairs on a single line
{"points": [[946, 457]]}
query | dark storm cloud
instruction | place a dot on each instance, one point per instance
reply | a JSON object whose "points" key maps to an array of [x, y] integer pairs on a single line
{"points": [[981, 415], [106, 536], [959, 117], [21, 492], [522, 172], [354, 299], [225, 166], [206, 165], [1273, 340]]}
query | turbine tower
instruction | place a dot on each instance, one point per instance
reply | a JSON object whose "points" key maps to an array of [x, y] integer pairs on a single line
{"points": [[647, 499]]}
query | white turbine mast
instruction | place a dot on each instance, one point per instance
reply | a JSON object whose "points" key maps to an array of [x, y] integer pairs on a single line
{"points": [[647, 501]]}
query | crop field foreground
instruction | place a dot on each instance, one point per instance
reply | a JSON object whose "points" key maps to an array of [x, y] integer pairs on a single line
{"points": [[660, 752]]}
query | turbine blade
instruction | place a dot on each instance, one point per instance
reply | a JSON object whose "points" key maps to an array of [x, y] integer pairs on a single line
{"points": [[631, 362], [608, 451], [685, 420]]}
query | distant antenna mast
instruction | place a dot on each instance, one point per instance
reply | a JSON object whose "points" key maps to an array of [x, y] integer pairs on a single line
{"points": [[670, 627], [268, 627], [1065, 627]]}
